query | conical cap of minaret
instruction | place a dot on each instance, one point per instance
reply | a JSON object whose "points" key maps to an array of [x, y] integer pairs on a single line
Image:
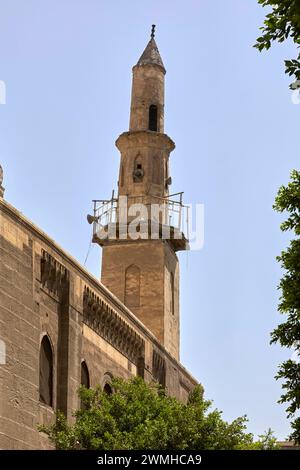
{"points": [[151, 55]]}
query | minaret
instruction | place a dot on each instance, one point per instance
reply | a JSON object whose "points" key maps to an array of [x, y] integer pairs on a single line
{"points": [[144, 272]]}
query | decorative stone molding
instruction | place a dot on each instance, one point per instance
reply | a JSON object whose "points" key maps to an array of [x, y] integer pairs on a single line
{"points": [[158, 368], [54, 276], [149, 139], [98, 316]]}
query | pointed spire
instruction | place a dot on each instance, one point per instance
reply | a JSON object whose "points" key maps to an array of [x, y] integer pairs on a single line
{"points": [[151, 54]]}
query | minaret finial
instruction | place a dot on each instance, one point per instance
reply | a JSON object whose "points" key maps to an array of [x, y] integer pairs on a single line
{"points": [[151, 54], [153, 31]]}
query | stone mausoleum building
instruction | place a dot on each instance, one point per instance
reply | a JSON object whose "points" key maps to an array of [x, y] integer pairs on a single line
{"points": [[59, 326]]}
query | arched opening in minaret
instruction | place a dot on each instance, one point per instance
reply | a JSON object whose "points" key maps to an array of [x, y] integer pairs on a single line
{"points": [[152, 118], [138, 172]]}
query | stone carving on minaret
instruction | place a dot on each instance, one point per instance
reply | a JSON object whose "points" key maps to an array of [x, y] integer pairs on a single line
{"points": [[1, 181]]}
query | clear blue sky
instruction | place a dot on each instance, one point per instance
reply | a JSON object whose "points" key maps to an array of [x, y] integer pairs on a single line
{"points": [[67, 67]]}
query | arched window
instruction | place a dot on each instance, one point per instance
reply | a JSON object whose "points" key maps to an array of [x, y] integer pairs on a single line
{"points": [[132, 286], [108, 389], [85, 380], [46, 372], [152, 118], [85, 376]]}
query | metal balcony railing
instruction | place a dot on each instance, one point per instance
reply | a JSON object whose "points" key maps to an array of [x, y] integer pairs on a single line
{"points": [[167, 211]]}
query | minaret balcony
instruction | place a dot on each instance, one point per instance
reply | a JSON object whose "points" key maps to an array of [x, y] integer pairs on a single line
{"points": [[145, 217]]}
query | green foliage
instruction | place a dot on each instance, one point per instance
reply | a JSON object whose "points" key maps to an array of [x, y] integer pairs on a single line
{"points": [[141, 416], [281, 23], [266, 441], [287, 334]]}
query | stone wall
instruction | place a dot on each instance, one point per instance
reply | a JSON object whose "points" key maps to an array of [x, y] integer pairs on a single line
{"points": [[44, 291]]}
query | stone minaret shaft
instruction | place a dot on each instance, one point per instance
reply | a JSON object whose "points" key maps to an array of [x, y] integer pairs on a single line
{"points": [[144, 273]]}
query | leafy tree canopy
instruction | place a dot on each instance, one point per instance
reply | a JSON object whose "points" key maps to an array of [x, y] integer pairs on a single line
{"points": [[287, 334], [281, 23], [141, 416]]}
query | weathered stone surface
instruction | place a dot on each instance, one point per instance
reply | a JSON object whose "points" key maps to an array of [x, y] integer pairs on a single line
{"points": [[144, 273], [29, 310]]}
